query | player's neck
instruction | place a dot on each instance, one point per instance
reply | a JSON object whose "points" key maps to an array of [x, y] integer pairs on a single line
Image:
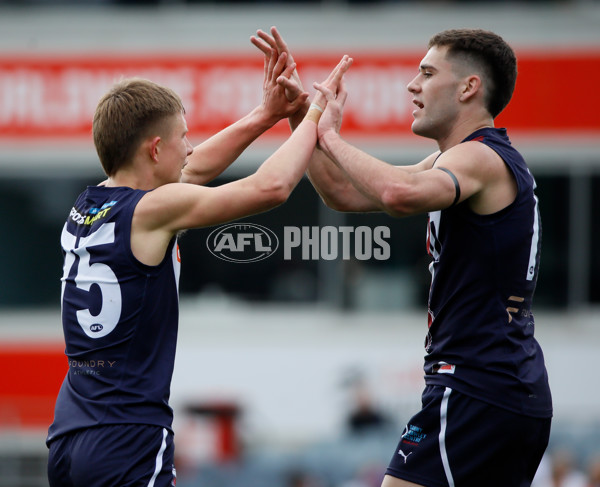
{"points": [[462, 129], [132, 179]]}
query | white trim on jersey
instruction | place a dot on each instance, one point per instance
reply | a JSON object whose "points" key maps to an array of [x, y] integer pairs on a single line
{"points": [[443, 424], [176, 258], [534, 242], [159, 458]]}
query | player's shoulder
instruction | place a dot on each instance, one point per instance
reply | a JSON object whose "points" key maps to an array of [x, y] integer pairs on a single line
{"points": [[476, 147], [157, 199], [170, 194], [160, 206], [471, 153], [426, 163]]}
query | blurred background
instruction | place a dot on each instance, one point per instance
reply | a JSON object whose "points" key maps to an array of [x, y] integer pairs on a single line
{"points": [[291, 372]]}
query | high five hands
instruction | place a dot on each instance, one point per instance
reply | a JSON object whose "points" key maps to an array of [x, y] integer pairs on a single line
{"points": [[331, 94]]}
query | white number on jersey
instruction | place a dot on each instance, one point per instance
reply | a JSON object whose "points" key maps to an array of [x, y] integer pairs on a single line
{"points": [[97, 273]]}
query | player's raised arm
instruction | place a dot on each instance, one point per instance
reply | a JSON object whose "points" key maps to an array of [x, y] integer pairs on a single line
{"points": [[173, 207], [436, 183], [335, 189], [217, 153]]}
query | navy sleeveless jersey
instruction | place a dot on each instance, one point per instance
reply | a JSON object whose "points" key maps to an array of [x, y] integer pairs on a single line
{"points": [[119, 319], [484, 271]]}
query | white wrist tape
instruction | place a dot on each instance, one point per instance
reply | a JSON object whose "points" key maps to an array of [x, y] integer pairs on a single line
{"points": [[316, 107]]}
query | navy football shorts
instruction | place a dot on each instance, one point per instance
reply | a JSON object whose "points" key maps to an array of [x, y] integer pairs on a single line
{"points": [[458, 441], [126, 455]]}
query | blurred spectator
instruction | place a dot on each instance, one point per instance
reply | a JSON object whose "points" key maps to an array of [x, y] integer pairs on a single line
{"points": [[565, 472], [594, 472], [364, 415], [297, 478]]}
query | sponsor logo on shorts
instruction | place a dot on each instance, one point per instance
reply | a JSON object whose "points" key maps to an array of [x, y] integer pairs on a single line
{"points": [[413, 435], [405, 456]]}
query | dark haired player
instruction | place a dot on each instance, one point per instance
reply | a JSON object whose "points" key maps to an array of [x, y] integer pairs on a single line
{"points": [[486, 407]]}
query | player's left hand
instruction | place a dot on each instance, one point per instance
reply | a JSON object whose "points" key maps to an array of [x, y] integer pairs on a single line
{"points": [[275, 42], [275, 102]]}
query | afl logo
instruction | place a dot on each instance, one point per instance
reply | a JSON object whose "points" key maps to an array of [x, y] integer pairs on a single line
{"points": [[96, 328], [242, 242]]}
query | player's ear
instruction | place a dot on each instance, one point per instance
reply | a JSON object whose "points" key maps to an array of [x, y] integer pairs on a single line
{"points": [[154, 148], [470, 86]]}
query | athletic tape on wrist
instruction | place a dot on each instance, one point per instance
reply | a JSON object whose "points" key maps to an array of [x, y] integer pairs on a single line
{"points": [[313, 114]]}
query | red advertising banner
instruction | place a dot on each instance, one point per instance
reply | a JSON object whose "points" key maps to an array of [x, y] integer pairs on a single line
{"points": [[55, 96], [32, 375]]}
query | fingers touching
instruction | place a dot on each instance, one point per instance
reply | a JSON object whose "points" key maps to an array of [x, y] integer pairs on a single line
{"points": [[266, 42], [266, 48], [280, 68], [333, 86]]}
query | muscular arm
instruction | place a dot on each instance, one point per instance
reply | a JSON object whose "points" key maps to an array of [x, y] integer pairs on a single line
{"points": [[349, 179], [340, 192], [483, 178], [480, 173]]}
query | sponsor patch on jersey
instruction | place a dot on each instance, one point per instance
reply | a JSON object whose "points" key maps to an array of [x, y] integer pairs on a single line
{"points": [[443, 368], [82, 217]]}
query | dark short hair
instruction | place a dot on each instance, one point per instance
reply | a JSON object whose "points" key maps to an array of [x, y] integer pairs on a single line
{"points": [[488, 52], [132, 109]]}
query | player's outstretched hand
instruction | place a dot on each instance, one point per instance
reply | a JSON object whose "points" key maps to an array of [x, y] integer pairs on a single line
{"points": [[274, 42], [331, 96], [275, 102]]}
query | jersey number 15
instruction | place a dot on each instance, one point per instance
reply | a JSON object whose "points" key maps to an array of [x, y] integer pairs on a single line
{"points": [[94, 326]]}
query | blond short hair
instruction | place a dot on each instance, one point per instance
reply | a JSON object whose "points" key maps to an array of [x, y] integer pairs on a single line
{"points": [[132, 110]]}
